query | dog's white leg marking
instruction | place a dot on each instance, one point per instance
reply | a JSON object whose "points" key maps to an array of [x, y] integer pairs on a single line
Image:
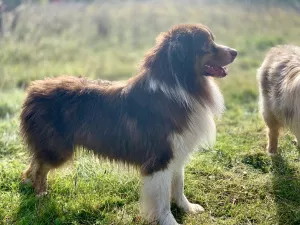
{"points": [[178, 193], [156, 196]]}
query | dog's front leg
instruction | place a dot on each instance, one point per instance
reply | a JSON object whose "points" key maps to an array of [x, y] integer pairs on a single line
{"points": [[178, 192], [155, 198]]}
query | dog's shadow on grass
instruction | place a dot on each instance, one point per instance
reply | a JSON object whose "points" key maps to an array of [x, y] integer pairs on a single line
{"points": [[286, 188], [178, 213], [35, 210], [50, 209], [53, 208]]}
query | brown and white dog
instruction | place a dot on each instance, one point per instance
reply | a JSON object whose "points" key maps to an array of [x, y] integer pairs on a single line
{"points": [[279, 82], [152, 121]]}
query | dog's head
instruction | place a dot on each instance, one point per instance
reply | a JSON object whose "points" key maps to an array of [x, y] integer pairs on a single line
{"points": [[192, 48]]}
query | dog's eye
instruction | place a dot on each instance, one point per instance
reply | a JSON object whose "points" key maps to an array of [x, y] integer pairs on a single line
{"points": [[205, 48]]}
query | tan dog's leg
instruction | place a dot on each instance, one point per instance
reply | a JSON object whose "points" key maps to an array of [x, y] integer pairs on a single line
{"points": [[273, 127], [36, 174], [40, 184], [27, 174]]}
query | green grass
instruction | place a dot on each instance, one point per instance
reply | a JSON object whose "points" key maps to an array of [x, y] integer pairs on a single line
{"points": [[236, 181]]}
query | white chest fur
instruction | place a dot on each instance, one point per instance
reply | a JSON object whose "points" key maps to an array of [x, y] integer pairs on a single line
{"points": [[201, 126], [201, 130]]}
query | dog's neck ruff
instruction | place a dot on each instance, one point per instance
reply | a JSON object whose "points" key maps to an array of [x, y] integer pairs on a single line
{"points": [[178, 94], [201, 126]]}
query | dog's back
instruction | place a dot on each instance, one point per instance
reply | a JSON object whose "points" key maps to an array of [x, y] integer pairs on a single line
{"points": [[279, 81]]}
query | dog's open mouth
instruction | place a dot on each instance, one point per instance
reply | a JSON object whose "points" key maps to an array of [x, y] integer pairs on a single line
{"points": [[215, 71]]}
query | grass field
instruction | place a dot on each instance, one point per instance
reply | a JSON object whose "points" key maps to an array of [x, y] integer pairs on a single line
{"points": [[236, 181]]}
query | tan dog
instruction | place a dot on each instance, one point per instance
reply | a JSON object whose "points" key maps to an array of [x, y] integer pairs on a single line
{"points": [[279, 80], [153, 121]]}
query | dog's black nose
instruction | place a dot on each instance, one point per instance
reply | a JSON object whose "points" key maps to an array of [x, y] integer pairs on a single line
{"points": [[233, 52]]}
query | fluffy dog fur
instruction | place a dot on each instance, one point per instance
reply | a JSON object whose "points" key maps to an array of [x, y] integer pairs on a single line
{"points": [[153, 121], [279, 81]]}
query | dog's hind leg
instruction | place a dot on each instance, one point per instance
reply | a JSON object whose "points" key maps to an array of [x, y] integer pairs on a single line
{"points": [[36, 174], [39, 175], [273, 127], [26, 175], [155, 198], [41, 163]]}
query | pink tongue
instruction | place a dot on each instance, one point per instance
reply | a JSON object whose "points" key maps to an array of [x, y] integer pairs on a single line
{"points": [[216, 71]]}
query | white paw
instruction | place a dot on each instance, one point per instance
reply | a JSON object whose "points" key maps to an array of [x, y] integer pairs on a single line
{"points": [[41, 194], [189, 207], [195, 208], [271, 151], [271, 154]]}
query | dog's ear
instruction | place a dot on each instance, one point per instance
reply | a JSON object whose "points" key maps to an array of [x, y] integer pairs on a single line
{"points": [[181, 55], [176, 52]]}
